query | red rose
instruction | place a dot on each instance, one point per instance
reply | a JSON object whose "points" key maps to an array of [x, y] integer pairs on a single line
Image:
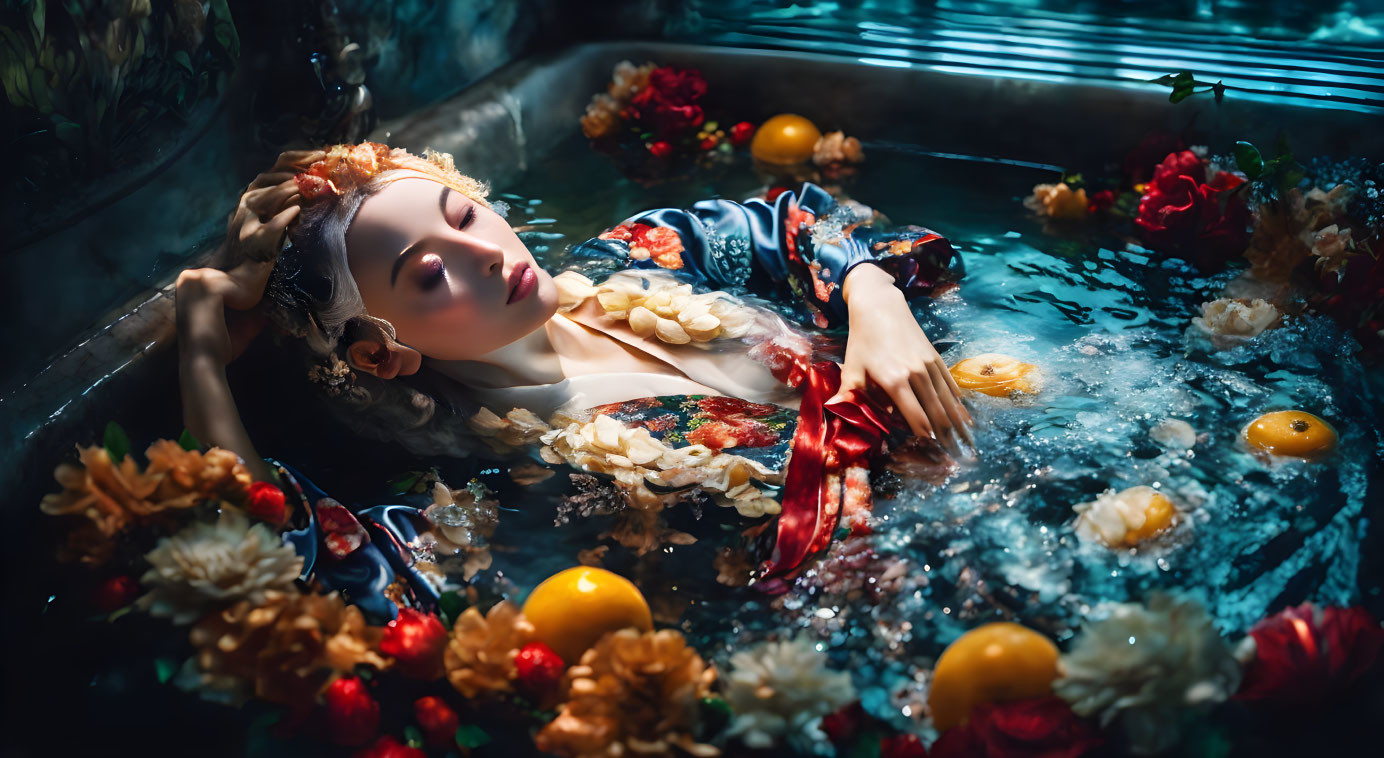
{"points": [[1180, 215], [841, 725], [416, 642], [741, 134], [902, 746], [265, 502], [437, 721], [1138, 165], [353, 716], [660, 149], [667, 106], [388, 747], [1101, 201], [116, 593], [1307, 657], [1036, 728], [539, 669]]}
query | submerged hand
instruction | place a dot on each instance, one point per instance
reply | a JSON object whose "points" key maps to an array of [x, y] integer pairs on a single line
{"points": [[888, 349]]}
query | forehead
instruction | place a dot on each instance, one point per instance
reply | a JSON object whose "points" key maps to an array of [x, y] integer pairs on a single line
{"points": [[392, 218]]}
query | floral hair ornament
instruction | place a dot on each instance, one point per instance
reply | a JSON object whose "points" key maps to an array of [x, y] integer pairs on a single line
{"points": [[343, 168]]}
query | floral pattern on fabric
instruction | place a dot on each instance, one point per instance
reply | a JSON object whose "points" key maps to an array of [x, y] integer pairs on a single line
{"points": [[756, 431]]}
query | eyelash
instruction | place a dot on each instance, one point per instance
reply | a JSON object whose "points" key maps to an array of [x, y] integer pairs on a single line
{"points": [[468, 218]]}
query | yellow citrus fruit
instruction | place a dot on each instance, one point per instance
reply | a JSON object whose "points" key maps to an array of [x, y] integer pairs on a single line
{"points": [[993, 374], [1294, 433], [994, 663], [573, 609], [783, 139], [1158, 515]]}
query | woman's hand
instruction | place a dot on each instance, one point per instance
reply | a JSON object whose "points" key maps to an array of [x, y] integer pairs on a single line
{"points": [[256, 227], [887, 348]]}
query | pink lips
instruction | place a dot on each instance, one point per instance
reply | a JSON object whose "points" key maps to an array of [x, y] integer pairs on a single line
{"points": [[521, 282]]}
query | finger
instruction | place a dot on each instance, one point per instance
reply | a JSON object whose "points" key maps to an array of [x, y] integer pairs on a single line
{"points": [[956, 392], [297, 159], [271, 200], [907, 404], [942, 425], [270, 179], [949, 402], [268, 238]]}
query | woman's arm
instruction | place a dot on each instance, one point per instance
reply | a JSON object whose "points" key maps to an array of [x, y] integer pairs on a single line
{"points": [[888, 348], [212, 324]]}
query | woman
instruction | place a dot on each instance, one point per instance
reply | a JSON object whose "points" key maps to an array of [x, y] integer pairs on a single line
{"points": [[416, 300]]}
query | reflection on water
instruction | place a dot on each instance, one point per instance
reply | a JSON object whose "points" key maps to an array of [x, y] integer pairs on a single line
{"points": [[1108, 327]]}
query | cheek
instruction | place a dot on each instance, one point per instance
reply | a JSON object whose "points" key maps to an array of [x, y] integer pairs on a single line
{"points": [[466, 330]]}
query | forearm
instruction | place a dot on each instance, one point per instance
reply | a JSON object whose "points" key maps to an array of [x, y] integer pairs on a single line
{"points": [[204, 349]]}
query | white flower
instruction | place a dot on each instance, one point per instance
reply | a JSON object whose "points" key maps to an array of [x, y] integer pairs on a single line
{"points": [[1124, 518], [518, 427], [1141, 665], [210, 565], [1229, 322], [1174, 433], [782, 690]]}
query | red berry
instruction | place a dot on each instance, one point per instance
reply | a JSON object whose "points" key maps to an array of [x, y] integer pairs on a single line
{"points": [[266, 503], [353, 716], [540, 669], [116, 593], [416, 642], [741, 133], [902, 746], [660, 149], [388, 747], [709, 143], [437, 720]]}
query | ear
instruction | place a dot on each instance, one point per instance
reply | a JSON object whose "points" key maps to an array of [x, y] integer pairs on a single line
{"points": [[381, 360]]}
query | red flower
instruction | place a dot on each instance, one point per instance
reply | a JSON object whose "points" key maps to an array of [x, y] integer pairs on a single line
{"points": [[353, 716], [709, 143], [1181, 215], [437, 721], [1101, 201], [622, 233], [741, 432], [1037, 728], [841, 725], [1141, 160], [1307, 657], [343, 534], [902, 746], [795, 220], [741, 133], [660, 149], [661, 243], [116, 593], [416, 642], [388, 747], [265, 502], [667, 106], [539, 669]]}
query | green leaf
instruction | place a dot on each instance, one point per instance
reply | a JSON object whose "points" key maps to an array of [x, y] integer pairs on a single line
{"points": [[413, 736], [716, 705], [1290, 178], [40, 18], [1184, 85], [1248, 160], [116, 442], [404, 482], [867, 745], [451, 605], [471, 736], [188, 442], [164, 669], [181, 58]]}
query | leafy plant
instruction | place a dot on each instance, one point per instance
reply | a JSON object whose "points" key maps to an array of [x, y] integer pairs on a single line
{"points": [[1184, 85]]}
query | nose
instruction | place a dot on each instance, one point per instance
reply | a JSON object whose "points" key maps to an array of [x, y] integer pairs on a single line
{"points": [[489, 257]]}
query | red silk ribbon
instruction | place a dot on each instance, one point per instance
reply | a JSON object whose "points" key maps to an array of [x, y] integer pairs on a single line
{"points": [[831, 437]]}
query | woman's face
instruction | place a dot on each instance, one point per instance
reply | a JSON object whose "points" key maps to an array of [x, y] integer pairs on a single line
{"points": [[450, 274]]}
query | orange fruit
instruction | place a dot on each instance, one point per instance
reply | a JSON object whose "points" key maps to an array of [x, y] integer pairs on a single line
{"points": [[784, 139], [1295, 433], [994, 663], [993, 374], [572, 609]]}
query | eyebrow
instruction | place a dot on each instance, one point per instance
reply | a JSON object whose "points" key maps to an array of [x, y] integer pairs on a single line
{"points": [[416, 247]]}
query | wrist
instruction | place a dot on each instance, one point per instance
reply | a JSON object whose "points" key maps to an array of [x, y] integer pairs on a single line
{"points": [[866, 284]]}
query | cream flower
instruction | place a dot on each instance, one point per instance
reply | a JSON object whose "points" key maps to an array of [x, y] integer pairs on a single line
{"points": [[657, 305], [635, 457], [1125, 518], [1141, 664], [1332, 246], [516, 429], [211, 565], [1058, 201], [836, 147], [1230, 321], [781, 690]]}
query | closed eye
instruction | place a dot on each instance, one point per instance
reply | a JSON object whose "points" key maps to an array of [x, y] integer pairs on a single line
{"points": [[469, 217]]}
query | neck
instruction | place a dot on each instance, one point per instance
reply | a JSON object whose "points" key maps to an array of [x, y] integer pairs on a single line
{"points": [[531, 359]]}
